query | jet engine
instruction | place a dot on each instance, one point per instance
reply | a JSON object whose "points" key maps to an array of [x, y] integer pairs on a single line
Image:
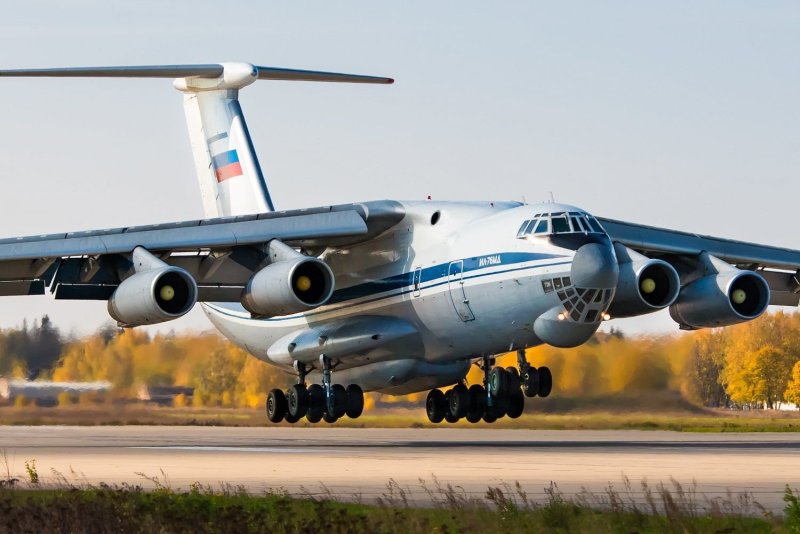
{"points": [[645, 285], [153, 296], [721, 299], [289, 286]]}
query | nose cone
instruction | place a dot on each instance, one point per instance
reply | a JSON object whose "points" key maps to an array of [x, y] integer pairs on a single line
{"points": [[595, 266]]}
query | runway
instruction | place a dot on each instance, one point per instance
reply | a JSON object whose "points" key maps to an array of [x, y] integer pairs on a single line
{"points": [[359, 463]]}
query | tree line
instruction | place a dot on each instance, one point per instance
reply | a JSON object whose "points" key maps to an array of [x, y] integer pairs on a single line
{"points": [[753, 365]]}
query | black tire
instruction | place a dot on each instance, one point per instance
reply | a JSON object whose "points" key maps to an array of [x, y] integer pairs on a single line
{"points": [[355, 401], [545, 381], [339, 398], [459, 401], [477, 403], [297, 401], [329, 418], [498, 381], [291, 418], [316, 403], [488, 416], [276, 406], [435, 406], [530, 382], [513, 381], [448, 415], [516, 404]]}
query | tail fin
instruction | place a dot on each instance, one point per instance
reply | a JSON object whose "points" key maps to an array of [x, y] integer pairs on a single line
{"points": [[228, 172]]}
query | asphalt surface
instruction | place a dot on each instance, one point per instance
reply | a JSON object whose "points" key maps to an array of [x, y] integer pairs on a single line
{"points": [[360, 463]]}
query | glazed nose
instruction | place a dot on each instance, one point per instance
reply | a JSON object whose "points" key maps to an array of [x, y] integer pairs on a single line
{"points": [[595, 266]]}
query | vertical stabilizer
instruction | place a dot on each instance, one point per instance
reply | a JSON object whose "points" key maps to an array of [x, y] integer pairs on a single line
{"points": [[230, 177]]}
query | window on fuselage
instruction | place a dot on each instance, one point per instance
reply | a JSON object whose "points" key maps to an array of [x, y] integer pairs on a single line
{"points": [[544, 226], [523, 226]]}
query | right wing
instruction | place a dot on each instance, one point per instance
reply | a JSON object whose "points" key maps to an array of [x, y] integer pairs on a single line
{"points": [[221, 254]]}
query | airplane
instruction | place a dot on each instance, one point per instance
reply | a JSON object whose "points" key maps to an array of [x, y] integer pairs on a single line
{"points": [[388, 296]]}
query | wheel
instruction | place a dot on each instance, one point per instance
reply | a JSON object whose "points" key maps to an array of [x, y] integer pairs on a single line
{"points": [[477, 403], [276, 406], [339, 399], [498, 409], [329, 418], [545, 381], [516, 404], [498, 381], [514, 382], [489, 416], [316, 403], [435, 406], [530, 382], [291, 418], [297, 401], [355, 401], [449, 416], [459, 401]]}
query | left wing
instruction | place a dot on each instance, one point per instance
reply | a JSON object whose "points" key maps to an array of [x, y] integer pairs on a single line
{"points": [[780, 267]]}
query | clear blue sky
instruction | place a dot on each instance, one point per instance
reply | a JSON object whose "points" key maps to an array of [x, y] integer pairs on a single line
{"points": [[679, 114]]}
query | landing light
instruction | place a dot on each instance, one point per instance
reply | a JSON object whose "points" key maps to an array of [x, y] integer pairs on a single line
{"points": [[167, 293], [562, 316], [606, 317]]}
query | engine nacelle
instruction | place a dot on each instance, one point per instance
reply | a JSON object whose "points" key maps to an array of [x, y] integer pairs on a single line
{"points": [[723, 299], [644, 286], [289, 286], [153, 296]]}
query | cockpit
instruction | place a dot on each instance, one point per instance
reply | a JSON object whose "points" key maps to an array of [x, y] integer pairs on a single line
{"points": [[561, 222]]}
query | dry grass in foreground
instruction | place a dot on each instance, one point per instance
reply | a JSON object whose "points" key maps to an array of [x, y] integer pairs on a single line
{"points": [[62, 506]]}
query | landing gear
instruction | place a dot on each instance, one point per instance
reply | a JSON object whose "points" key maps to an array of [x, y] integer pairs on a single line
{"points": [[328, 402], [502, 394]]}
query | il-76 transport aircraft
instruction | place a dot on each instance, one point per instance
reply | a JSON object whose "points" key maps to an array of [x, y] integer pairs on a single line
{"points": [[389, 296]]}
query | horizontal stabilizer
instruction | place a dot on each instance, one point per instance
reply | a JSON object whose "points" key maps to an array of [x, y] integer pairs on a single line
{"points": [[211, 70]]}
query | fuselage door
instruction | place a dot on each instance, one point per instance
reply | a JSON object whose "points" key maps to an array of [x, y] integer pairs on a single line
{"points": [[455, 283]]}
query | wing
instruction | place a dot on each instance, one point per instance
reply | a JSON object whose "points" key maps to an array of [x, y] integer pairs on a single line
{"points": [[221, 254], [779, 266]]}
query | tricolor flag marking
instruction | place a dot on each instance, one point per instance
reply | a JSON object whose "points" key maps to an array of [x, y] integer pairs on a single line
{"points": [[226, 165]]}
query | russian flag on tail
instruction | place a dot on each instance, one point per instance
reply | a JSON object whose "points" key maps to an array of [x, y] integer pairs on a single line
{"points": [[226, 165]]}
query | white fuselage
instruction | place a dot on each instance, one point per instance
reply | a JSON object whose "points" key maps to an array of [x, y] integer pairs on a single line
{"points": [[467, 283]]}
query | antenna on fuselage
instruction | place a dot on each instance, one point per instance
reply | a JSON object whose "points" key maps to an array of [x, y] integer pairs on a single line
{"points": [[552, 198]]}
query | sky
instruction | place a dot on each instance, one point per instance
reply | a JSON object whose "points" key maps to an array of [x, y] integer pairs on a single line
{"points": [[677, 114]]}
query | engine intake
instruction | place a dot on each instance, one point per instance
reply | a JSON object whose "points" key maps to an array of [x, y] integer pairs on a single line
{"points": [[153, 296], [723, 299], [644, 286], [289, 286]]}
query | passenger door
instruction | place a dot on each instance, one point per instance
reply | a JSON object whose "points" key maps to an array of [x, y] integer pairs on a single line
{"points": [[455, 283]]}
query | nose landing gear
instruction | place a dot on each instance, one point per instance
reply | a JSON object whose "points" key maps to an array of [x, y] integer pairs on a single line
{"points": [[502, 394], [326, 401]]}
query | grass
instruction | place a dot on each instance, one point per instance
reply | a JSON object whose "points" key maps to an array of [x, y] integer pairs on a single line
{"points": [[581, 418], [27, 507]]}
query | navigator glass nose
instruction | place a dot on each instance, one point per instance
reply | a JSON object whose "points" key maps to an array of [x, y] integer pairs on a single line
{"points": [[595, 266]]}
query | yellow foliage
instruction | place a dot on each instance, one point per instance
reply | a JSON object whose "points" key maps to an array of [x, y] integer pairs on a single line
{"points": [[64, 399], [180, 401], [792, 393]]}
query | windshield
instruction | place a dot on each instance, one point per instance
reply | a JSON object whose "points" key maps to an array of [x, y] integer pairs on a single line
{"points": [[560, 223]]}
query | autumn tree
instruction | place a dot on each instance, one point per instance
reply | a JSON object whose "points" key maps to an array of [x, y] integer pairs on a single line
{"points": [[792, 393]]}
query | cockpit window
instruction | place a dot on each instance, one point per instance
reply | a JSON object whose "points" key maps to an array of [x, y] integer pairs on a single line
{"points": [[560, 224], [594, 224]]}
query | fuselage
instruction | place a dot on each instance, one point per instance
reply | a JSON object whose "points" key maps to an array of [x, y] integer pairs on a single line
{"points": [[451, 281]]}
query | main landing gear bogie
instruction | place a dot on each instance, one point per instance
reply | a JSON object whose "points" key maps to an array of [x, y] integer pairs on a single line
{"points": [[317, 402], [502, 394]]}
